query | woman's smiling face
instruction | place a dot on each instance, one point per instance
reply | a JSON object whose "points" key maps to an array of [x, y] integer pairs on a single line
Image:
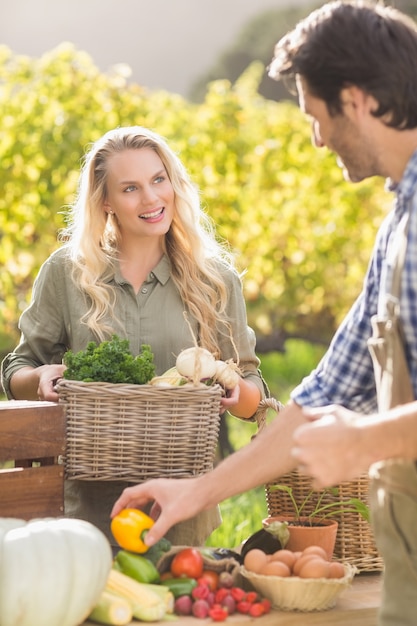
{"points": [[139, 193]]}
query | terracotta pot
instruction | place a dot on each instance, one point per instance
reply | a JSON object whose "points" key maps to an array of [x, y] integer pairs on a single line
{"points": [[302, 536]]}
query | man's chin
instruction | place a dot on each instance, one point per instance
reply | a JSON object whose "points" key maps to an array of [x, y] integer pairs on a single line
{"points": [[349, 176]]}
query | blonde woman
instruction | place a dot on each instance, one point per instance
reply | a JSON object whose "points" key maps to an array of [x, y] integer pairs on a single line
{"points": [[138, 253]]}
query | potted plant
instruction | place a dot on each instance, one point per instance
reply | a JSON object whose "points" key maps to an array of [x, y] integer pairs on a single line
{"points": [[300, 529], [318, 526]]}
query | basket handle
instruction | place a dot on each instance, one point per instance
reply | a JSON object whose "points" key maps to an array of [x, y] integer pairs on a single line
{"points": [[264, 405]]}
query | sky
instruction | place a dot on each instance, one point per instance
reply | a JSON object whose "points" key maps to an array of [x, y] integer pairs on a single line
{"points": [[168, 44]]}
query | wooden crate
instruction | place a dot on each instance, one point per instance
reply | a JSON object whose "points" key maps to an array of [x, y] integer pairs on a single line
{"points": [[32, 437]]}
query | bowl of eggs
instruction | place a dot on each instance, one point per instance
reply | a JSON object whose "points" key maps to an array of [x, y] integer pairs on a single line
{"points": [[297, 581]]}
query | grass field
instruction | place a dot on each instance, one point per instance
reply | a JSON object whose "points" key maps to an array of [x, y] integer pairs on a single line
{"points": [[242, 515]]}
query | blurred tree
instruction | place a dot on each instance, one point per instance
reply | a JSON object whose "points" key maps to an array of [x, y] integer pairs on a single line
{"points": [[256, 42], [303, 234]]}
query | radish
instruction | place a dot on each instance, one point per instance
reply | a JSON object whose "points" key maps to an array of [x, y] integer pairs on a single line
{"points": [[200, 609], [183, 605]]}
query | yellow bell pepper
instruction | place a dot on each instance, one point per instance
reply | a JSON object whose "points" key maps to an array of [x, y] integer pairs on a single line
{"points": [[129, 528]]}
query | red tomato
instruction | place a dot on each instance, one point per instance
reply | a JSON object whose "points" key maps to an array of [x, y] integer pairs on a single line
{"points": [[187, 563], [211, 577]]}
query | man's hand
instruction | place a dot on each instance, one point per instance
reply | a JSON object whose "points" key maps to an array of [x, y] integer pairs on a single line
{"points": [[328, 448], [173, 500]]}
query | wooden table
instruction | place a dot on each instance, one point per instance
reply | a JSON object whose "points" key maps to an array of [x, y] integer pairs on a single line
{"points": [[357, 605]]}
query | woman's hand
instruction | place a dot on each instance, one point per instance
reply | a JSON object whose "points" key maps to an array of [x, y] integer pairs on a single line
{"points": [[48, 377], [230, 399], [36, 383], [243, 400]]}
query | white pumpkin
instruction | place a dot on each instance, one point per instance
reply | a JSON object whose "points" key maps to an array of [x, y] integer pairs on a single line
{"points": [[52, 571]]}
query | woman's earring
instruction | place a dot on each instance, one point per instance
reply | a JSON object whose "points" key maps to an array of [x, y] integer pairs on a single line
{"points": [[111, 213]]}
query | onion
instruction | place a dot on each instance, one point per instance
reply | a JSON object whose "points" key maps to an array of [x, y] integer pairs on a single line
{"points": [[227, 374], [196, 363]]}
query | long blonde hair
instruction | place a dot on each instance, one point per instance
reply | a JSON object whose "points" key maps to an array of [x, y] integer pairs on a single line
{"points": [[196, 256]]}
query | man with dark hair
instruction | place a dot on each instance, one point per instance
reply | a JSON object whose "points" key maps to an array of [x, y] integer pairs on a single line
{"points": [[354, 67]]}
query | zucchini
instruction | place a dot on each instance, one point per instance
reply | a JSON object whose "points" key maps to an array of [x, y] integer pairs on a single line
{"points": [[137, 567], [180, 586]]}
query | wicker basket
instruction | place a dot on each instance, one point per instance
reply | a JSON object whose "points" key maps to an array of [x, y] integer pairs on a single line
{"points": [[137, 432], [355, 542]]}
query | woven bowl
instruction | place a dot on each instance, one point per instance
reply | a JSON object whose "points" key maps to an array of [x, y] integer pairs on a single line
{"points": [[300, 594]]}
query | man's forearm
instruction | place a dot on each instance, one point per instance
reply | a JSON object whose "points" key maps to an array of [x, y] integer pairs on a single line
{"points": [[267, 457], [392, 434]]}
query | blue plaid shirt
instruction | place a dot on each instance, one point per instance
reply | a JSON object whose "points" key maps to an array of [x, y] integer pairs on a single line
{"points": [[345, 374]]}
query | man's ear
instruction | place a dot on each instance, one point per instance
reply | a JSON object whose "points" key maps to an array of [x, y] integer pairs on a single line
{"points": [[356, 101]]}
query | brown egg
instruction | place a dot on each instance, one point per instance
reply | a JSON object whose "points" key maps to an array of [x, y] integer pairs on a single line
{"points": [[316, 550], [336, 570], [315, 568], [276, 568], [255, 560], [285, 556], [300, 562]]}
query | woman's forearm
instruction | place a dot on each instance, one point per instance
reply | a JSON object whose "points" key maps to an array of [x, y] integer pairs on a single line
{"points": [[24, 384], [36, 383]]}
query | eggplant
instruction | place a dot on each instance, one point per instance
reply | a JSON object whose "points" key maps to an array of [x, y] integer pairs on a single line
{"points": [[225, 553], [262, 540], [217, 554]]}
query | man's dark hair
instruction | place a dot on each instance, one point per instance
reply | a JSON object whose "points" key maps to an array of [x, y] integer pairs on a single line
{"points": [[355, 43]]}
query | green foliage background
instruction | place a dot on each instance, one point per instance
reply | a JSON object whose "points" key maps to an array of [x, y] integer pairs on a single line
{"points": [[303, 234]]}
